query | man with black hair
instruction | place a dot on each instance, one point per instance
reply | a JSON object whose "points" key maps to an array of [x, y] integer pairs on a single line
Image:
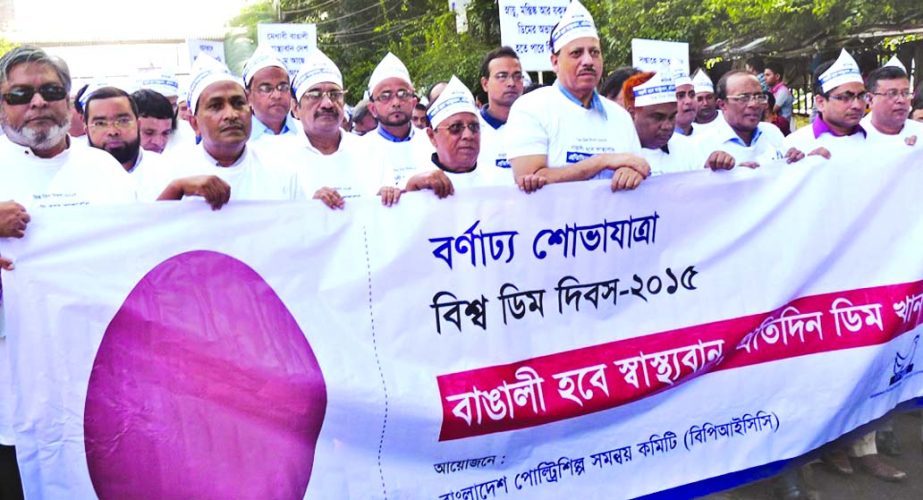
{"points": [[156, 120], [418, 116], [890, 101], [756, 66], [269, 92], [502, 80], [612, 85], [783, 95]]}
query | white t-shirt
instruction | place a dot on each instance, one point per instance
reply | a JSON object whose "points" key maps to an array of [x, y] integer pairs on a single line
{"points": [[248, 177], [78, 176], [765, 146], [805, 139], [183, 136], [481, 176], [493, 146], [349, 170], [152, 173], [680, 155], [700, 129], [402, 158], [877, 138], [548, 122]]}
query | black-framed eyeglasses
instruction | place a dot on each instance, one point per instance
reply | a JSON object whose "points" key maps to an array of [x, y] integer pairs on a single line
{"points": [[23, 95], [848, 97], [401, 94], [894, 94], [267, 88], [334, 95], [458, 127], [747, 98]]}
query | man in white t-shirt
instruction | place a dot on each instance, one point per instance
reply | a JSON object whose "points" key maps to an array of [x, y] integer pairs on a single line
{"points": [[40, 168], [221, 117], [708, 114], [739, 130], [890, 95], [687, 108], [567, 132], [396, 143], [268, 87], [650, 98], [332, 163], [501, 79]]}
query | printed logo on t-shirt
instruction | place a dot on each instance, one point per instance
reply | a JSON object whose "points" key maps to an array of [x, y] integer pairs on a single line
{"points": [[503, 163], [577, 156]]}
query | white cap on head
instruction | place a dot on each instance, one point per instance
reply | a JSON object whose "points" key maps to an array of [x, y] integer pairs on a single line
{"points": [[702, 83], [456, 98], [680, 73], [575, 23], [206, 71], [844, 70], [162, 82], [389, 67], [263, 57], [317, 68], [91, 87], [894, 62], [658, 90]]}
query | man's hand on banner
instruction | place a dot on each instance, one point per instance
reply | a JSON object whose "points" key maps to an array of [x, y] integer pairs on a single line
{"points": [[215, 191], [719, 160], [749, 164], [531, 183], [820, 152], [910, 140], [626, 179], [436, 180], [793, 155], [13, 220], [6, 264], [618, 161], [330, 197], [390, 195]]}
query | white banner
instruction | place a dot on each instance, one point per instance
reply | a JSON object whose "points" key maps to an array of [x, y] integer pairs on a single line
{"points": [[573, 342], [291, 42], [526, 27], [653, 55], [210, 47]]}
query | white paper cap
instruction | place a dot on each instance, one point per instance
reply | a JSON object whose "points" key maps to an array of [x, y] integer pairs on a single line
{"points": [[389, 67], [658, 90], [844, 70], [456, 98], [92, 87], [680, 73], [317, 68], [263, 57], [206, 71], [162, 82], [702, 83], [895, 63], [575, 23]]}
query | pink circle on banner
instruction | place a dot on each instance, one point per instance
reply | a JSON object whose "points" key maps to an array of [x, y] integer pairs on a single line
{"points": [[204, 386]]}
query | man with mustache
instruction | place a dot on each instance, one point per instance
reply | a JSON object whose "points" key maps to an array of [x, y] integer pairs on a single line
{"points": [[332, 163], [501, 79], [740, 131], [567, 132], [267, 83], [888, 123], [395, 143], [840, 98], [650, 98], [686, 106], [707, 114]]}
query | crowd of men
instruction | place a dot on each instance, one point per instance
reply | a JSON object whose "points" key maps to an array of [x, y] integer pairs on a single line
{"points": [[266, 136]]}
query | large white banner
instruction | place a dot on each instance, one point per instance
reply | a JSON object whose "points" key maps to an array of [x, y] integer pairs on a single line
{"points": [[526, 27], [573, 342]]}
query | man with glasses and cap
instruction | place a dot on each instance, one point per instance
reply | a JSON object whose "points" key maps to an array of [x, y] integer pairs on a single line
{"points": [[267, 83], [396, 143], [567, 132], [890, 99]]}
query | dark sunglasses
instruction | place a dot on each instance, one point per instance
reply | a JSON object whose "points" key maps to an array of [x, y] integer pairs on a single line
{"points": [[24, 95]]}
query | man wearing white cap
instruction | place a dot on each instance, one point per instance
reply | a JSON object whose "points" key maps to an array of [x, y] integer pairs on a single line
{"points": [[740, 131], [501, 79], [166, 84], [269, 92], [567, 132], [708, 113], [890, 98], [650, 98], [332, 164], [221, 117], [840, 98], [395, 142], [455, 132], [686, 106]]}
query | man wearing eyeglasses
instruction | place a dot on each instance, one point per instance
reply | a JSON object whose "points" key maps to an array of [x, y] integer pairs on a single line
{"points": [[840, 99], [501, 79], [396, 144], [267, 83], [740, 131], [332, 164], [567, 132], [890, 98]]}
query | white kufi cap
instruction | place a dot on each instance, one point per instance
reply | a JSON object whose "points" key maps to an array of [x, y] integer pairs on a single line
{"points": [[895, 63], [456, 98], [702, 83], [658, 90], [844, 70], [680, 73], [575, 23], [263, 57], [389, 67], [206, 71], [317, 68]]}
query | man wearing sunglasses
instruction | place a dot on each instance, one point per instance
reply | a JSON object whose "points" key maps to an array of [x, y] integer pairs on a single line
{"points": [[840, 98], [395, 143], [890, 97], [267, 83]]}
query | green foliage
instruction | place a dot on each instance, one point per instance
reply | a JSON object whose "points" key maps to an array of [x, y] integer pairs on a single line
{"points": [[6, 46]]}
